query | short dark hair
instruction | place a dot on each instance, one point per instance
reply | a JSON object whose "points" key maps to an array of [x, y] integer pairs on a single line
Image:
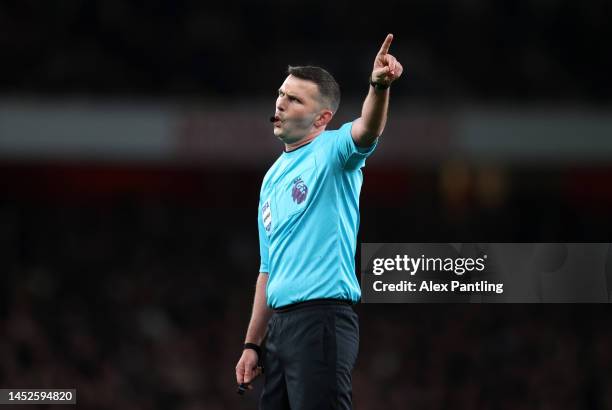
{"points": [[328, 87]]}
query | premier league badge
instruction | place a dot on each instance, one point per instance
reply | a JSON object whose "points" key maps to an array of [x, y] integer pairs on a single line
{"points": [[299, 191]]}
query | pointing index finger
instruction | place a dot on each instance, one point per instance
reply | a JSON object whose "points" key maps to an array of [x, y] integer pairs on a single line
{"points": [[384, 49]]}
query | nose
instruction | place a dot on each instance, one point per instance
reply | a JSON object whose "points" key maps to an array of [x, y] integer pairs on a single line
{"points": [[280, 104]]}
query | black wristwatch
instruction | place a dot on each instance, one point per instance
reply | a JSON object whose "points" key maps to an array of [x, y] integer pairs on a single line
{"points": [[254, 347], [379, 86], [242, 387]]}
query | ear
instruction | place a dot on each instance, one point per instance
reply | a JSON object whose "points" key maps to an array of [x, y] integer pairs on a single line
{"points": [[323, 118]]}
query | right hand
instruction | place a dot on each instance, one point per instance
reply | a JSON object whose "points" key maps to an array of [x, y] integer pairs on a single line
{"points": [[247, 369]]}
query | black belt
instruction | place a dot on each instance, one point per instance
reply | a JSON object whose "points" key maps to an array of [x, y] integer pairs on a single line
{"points": [[314, 302]]}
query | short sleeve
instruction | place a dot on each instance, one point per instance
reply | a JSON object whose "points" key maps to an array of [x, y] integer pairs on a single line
{"points": [[351, 156], [263, 242]]}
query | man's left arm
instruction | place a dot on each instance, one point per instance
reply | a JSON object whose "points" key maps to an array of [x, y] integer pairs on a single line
{"points": [[371, 124]]}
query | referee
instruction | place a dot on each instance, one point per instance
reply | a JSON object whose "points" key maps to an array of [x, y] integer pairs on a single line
{"points": [[308, 219]]}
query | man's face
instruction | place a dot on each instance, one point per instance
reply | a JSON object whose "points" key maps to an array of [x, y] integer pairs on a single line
{"points": [[298, 107]]}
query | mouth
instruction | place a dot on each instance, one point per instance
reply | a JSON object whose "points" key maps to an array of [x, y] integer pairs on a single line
{"points": [[277, 121]]}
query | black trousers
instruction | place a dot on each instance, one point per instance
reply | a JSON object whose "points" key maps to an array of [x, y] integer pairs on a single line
{"points": [[311, 350]]}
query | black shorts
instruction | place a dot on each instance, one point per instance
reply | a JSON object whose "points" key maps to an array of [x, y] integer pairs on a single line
{"points": [[311, 350]]}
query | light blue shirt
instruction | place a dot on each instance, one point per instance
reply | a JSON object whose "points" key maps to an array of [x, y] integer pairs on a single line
{"points": [[308, 220]]}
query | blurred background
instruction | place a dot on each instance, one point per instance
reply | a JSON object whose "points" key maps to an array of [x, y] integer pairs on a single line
{"points": [[134, 138]]}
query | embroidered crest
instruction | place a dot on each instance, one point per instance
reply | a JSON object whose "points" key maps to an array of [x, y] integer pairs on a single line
{"points": [[299, 191]]}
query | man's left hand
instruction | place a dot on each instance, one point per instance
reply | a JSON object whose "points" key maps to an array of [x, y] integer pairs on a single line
{"points": [[386, 67]]}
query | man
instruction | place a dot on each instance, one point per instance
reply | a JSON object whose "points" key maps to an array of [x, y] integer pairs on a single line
{"points": [[308, 219]]}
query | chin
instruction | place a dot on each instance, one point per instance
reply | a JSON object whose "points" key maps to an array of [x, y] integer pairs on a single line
{"points": [[279, 133]]}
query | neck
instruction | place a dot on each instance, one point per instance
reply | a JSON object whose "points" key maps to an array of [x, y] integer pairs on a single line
{"points": [[295, 145]]}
